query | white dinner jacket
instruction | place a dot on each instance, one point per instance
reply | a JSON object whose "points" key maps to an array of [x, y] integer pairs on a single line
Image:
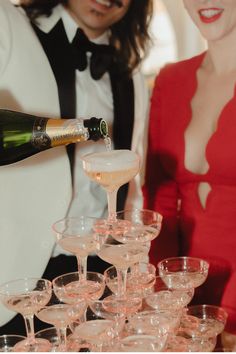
{"points": [[35, 192]]}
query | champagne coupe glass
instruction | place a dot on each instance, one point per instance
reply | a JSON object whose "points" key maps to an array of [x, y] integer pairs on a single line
{"points": [[192, 271], [151, 322], [95, 332], [27, 296], [71, 289], [97, 307], [76, 236], [204, 320], [60, 316], [122, 256], [8, 342], [157, 322], [199, 327], [126, 305], [111, 169], [142, 225], [166, 296], [137, 226], [140, 279]]}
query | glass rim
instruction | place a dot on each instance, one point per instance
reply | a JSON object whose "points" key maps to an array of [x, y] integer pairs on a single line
{"points": [[73, 218], [140, 210], [52, 328], [10, 282], [10, 335], [207, 306], [145, 263], [200, 260], [75, 273], [85, 157]]}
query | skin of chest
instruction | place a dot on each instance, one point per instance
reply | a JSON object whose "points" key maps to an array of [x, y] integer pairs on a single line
{"points": [[212, 95]]}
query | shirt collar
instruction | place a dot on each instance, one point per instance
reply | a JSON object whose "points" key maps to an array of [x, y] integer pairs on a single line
{"points": [[46, 24]]}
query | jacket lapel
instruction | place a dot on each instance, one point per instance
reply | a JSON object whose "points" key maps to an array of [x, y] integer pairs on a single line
{"points": [[123, 100], [58, 51]]}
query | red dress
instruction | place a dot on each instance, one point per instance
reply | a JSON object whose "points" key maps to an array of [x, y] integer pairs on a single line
{"points": [[188, 228]]}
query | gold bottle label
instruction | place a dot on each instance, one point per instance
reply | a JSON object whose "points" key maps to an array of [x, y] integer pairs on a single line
{"points": [[55, 132], [66, 131]]}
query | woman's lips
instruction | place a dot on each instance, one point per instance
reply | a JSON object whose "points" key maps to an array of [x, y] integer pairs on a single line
{"points": [[210, 15]]}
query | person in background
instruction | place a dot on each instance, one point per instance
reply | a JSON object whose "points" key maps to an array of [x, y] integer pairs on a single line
{"points": [[191, 160], [74, 58]]}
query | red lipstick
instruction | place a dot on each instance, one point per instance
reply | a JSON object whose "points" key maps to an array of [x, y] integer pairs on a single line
{"points": [[210, 15]]}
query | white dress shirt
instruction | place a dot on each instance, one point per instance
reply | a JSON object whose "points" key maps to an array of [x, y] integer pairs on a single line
{"points": [[93, 99]]}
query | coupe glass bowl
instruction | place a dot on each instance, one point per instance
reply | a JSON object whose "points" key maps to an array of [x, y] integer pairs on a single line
{"points": [[140, 278], [166, 296], [204, 320], [195, 270]]}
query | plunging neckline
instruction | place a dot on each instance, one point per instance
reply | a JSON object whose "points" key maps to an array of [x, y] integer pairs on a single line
{"points": [[219, 120]]}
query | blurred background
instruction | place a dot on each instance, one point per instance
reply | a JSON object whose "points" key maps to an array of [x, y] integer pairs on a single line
{"points": [[174, 37]]}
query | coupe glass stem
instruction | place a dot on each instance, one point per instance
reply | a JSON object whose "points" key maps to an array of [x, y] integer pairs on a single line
{"points": [[121, 281], [82, 267], [62, 337], [111, 199], [29, 325], [83, 316]]}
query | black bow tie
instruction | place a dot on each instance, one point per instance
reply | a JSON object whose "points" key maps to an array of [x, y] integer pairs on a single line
{"points": [[101, 55]]}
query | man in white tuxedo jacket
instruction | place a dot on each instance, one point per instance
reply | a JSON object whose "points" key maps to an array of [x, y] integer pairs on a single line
{"points": [[34, 192], [37, 191]]}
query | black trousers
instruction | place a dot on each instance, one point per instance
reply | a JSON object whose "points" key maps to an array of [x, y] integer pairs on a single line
{"points": [[57, 266]]}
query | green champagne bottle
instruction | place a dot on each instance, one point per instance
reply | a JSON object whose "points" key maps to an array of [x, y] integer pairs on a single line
{"points": [[23, 135]]}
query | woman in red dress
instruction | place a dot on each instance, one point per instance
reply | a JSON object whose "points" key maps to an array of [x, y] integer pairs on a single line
{"points": [[191, 161]]}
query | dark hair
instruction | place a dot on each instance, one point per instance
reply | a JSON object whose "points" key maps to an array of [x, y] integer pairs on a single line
{"points": [[129, 35]]}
